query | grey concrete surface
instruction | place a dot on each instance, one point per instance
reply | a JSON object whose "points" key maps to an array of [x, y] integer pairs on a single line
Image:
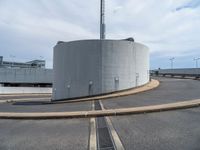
{"points": [[169, 90], [41, 106], [26, 90], [2, 97], [26, 75], [70, 134], [89, 67], [170, 130]]}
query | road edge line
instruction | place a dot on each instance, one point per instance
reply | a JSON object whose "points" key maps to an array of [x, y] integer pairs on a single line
{"points": [[93, 135]]}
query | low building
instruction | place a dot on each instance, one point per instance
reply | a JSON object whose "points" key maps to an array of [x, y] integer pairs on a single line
{"points": [[29, 64], [26, 77], [25, 74]]}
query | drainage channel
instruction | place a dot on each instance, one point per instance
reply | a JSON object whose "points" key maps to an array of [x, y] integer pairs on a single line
{"points": [[104, 138]]}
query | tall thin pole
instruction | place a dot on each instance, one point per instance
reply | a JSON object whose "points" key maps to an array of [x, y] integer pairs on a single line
{"points": [[172, 62], [196, 60], [12, 63], [102, 21]]}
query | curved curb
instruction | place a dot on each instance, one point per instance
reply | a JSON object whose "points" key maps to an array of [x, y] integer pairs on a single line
{"points": [[149, 86], [99, 113]]}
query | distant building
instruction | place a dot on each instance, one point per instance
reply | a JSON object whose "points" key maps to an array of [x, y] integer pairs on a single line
{"points": [[29, 64], [31, 73]]}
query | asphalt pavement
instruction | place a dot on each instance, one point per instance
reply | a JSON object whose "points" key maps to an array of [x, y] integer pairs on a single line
{"points": [[178, 129], [170, 90], [71, 134], [171, 130], [39, 103], [41, 106]]}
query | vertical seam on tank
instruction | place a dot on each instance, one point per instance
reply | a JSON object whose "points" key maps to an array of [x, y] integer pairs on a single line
{"points": [[135, 61], [101, 67]]}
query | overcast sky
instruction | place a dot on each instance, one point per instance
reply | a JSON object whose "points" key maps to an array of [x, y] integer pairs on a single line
{"points": [[170, 28]]}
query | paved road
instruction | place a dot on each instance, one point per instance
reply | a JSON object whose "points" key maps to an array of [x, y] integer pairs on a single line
{"points": [[172, 130], [44, 134], [37, 106], [170, 90], [169, 130], [40, 103]]}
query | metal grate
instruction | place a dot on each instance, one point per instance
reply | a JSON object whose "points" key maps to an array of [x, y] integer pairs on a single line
{"points": [[104, 139], [97, 105]]}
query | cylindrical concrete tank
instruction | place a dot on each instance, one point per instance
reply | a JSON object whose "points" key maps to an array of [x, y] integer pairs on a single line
{"points": [[92, 67]]}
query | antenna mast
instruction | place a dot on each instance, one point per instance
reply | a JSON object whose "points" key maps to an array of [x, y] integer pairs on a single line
{"points": [[102, 21]]}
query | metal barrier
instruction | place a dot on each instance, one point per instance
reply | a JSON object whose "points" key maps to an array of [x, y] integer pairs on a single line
{"points": [[190, 72]]}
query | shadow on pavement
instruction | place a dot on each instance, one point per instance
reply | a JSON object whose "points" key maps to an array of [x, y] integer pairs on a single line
{"points": [[33, 103]]}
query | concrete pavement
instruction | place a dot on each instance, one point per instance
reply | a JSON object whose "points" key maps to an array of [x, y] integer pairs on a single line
{"points": [[41, 103], [171, 130], [44, 134], [178, 129], [170, 90]]}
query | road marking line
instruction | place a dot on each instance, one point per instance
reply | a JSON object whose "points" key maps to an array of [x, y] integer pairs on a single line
{"points": [[115, 136], [93, 143], [93, 136]]}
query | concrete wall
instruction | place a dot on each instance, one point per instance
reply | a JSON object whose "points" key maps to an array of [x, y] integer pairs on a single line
{"points": [[75, 65], [89, 67], [26, 75], [12, 90]]}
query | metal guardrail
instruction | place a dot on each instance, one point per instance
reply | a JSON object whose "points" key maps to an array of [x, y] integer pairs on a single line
{"points": [[195, 73]]}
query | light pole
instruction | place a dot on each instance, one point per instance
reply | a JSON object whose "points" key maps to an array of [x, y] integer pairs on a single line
{"points": [[196, 61], [102, 20], [12, 59], [172, 62], [41, 57]]}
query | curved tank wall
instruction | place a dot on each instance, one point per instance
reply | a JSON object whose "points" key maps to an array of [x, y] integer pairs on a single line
{"points": [[91, 67]]}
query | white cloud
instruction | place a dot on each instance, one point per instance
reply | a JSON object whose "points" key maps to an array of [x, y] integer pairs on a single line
{"points": [[159, 25], [31, 28]]}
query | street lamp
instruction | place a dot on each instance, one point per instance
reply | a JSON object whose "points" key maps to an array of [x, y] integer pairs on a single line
{"points": [[12, 59], [39, 65], [172, 62], [41, 57], [196, 61]]}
